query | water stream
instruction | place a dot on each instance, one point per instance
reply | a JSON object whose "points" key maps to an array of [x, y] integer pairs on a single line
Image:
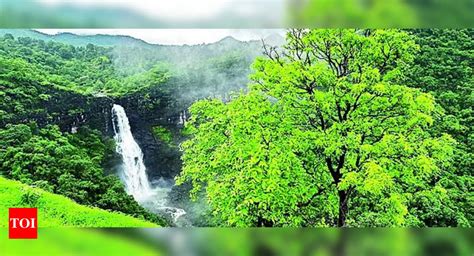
{"points": [[133, 171]]}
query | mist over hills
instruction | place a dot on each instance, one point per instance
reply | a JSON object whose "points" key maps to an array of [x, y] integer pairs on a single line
{"points": [[107, 40], [72, 81], [206, 69], [77, 40], [131, 55]]}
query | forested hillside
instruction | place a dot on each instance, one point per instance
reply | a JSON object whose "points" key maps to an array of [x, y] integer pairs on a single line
{"points": [[342, 128], [335, 128], [444, 68], [56, 100]]}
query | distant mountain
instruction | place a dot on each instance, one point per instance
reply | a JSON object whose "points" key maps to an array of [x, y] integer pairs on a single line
{"points": [[102, 40], [228, 40], [275, 40], [24, 33], [131, 55], [123, 40], [78, 40]]}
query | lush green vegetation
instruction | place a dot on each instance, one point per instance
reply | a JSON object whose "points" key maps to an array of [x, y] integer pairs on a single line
{"points": [[34, 74], [66, 164], [444, 68], [333, 134], [55, 210], [337, 128], [163, 134], [77, 241], [47, 83], [86, 70], [384, 14]]}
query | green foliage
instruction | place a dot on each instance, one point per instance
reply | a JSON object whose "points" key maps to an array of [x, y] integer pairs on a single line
{"points": [[53, 83], [444, 68], [35, 73], [58, 211], [339, 127], [61, 241], [163, 134], [381, 14], [17, 94], [87, 70], [326, 136], [384, 13], [66, 164]]}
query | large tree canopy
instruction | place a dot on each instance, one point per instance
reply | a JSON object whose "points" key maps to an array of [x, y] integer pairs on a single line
{"points": [[325, 136], [444, 67]]}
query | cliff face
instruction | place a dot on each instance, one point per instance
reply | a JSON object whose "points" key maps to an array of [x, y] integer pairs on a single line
{"points": [[150, 109], [162, 106], [68, 110], [95, 112], [145, 110], [71, 110]]}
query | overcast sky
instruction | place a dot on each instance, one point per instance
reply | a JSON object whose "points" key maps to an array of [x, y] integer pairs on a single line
{"points": [[176, 36], [191, 11], [187, 9]]}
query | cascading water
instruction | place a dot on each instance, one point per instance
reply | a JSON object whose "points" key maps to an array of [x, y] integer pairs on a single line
{"points": [[133, 171]]}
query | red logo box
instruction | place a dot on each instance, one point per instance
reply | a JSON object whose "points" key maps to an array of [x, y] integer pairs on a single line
{"points": [[23, 223]]}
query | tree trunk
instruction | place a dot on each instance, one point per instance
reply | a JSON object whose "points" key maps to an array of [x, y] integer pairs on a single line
{"points": [[261, 222], [343, 209]]}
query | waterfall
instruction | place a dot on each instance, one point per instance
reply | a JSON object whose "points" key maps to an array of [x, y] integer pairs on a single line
{"points": [[134, 171]]}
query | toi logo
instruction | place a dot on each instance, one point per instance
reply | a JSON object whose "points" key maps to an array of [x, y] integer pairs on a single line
{"points": [[23, 223]]}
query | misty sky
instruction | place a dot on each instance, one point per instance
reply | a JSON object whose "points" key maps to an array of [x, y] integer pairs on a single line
{"points": [[213, 12], [177, 36], [186, 9]]}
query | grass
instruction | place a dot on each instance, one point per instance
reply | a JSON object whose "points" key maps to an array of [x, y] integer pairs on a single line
{"points": [[59, 211], [75, 241]]}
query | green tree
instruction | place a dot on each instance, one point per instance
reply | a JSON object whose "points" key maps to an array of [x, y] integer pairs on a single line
{"points": [[66, 164], [444, 68], [324, 137]]}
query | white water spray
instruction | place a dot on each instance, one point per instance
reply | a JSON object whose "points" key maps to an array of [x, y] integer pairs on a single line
{"points": [[134, 170]]}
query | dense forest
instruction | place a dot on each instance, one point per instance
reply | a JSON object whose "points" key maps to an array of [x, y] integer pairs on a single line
{"points": [[53, 95], [333, 128]]}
